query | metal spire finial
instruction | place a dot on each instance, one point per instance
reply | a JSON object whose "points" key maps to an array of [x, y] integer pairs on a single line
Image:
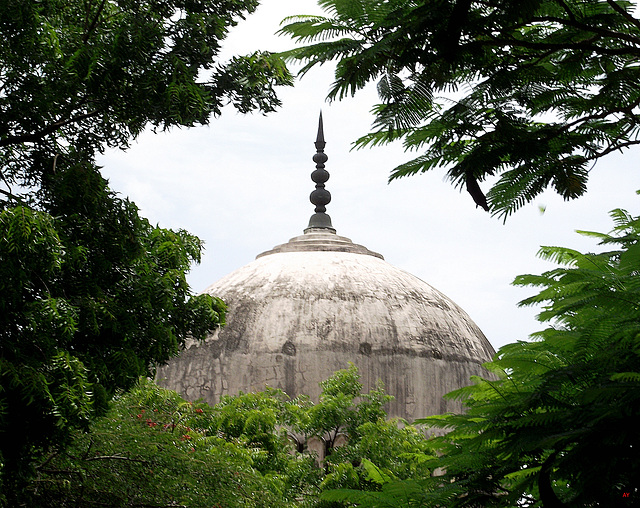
{"points": [[320, 143], [320, 196]]}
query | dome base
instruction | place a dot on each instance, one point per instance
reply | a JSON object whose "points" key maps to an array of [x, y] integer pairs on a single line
{"points": [[320, 240]]}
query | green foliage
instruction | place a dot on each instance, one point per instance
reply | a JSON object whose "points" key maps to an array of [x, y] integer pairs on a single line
{"points": [[342, 408], [257, 421], [153, 449], [531, 92], [376, 451], [381, 462], [91, 295], [558, 425], [89, 75], [392, 494]]}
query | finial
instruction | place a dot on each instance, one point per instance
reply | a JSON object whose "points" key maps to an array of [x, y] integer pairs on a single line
{"points": [[320, 196], [320, 144]]}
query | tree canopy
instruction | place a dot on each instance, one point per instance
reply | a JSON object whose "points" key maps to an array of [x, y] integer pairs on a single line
{"points": [[153, 448], [517, 96], [95, 74], [560, 421], [92, 296], [557, 426]]}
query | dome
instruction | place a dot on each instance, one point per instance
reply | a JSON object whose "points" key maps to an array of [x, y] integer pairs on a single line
{"points": [[309, 307]]}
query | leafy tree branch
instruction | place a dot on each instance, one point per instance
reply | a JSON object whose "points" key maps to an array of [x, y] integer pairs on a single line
{"points": [[528, 92], [91, 295]]}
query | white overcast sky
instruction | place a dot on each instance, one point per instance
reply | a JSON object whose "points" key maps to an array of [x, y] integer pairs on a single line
{"points": [[242, 185]]}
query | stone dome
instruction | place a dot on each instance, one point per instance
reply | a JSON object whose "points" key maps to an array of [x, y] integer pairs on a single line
{"points": [[309, 307]]}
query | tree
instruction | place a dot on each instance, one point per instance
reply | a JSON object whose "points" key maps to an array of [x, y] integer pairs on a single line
{"points": [[375, 450], [557, 429], [153, 448], [92, 296], [342, 408], [526, 95], [558, 425], [258, 421], [95, 74], [381, 465]]}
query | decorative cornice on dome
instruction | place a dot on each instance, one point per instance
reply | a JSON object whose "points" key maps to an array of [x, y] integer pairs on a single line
{"points": [[320, 240]]}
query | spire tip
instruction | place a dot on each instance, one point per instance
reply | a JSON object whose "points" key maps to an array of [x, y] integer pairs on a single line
{"points": [[320, 143]]}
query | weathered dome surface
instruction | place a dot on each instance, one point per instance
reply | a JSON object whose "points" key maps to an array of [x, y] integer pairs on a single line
{"points": [[309, 307]]}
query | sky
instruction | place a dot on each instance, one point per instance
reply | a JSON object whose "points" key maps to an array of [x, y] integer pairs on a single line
{"points": [[242, 185]]}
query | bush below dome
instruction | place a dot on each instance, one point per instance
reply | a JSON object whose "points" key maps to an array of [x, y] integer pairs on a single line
{"points": [[154, 448]]}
